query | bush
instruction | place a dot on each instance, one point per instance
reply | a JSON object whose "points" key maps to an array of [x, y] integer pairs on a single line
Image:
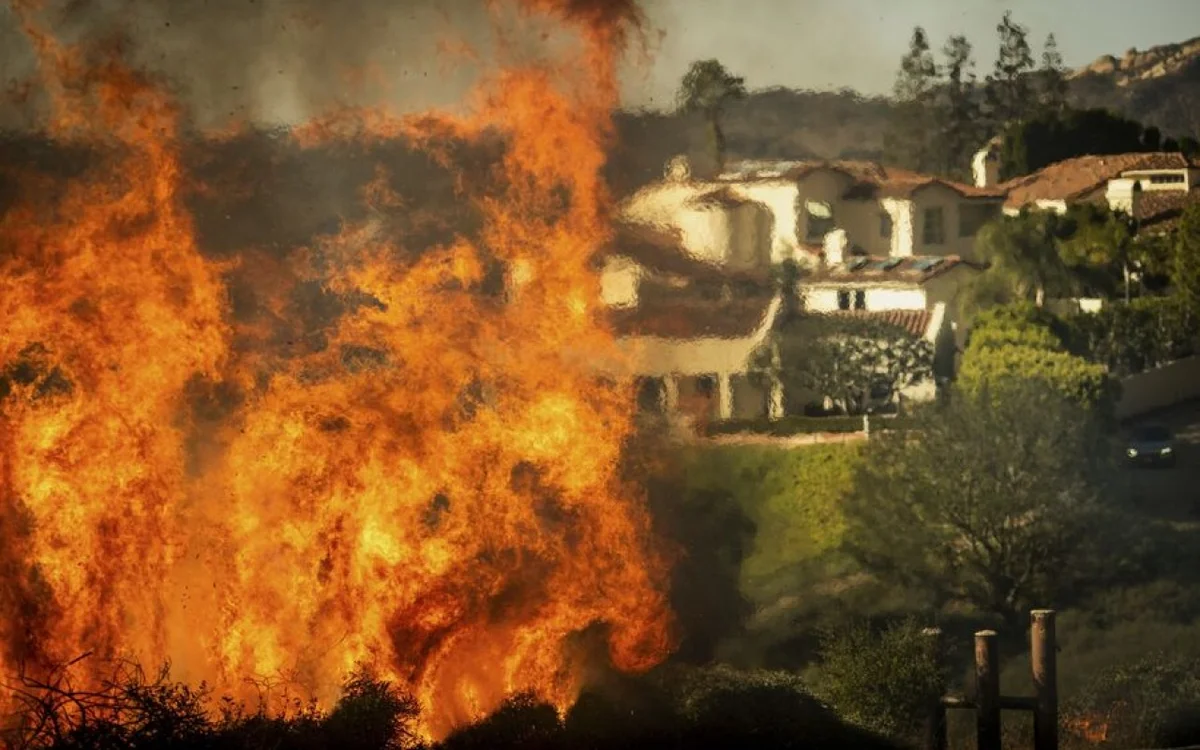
{"points": [[1074, 378], [801, 425], [1128, 339], [1151, 702], [882, 681]]}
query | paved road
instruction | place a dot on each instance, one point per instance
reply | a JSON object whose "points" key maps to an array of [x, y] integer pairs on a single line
{"points": [[1172, 493]]}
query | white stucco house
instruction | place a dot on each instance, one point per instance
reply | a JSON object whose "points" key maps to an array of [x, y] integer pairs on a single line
{"points": [[688, 328], [771, 212]]}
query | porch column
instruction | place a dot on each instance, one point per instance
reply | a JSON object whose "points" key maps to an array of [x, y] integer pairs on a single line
{"points": [[670, 400], [724, 396], [775, 399]]}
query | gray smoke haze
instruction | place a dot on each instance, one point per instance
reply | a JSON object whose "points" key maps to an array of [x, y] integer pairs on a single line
{"points": [[284, 61]]}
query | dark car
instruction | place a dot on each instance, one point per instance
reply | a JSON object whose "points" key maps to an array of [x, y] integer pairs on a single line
{"points": [[1151, 445]]}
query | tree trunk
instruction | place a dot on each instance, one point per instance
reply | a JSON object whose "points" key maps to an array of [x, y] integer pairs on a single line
{"points": [[716, 139], [1039, 296]]}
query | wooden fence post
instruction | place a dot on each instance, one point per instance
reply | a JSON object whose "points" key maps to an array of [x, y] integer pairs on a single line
{"points": [[987, 689], [935, 729], [1043, 659]]}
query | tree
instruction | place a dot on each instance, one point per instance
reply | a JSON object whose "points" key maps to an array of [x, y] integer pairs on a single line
{"points": [[1007, 91], [953, 509], [707, 88], [1185, 261], [1053, 88], [959, 132], [847, 360], [1051, 137], [1099, 246], [909, 140], [1023, 260]]}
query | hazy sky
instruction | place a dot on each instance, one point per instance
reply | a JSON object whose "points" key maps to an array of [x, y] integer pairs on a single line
{"points": [[287, 60], [858, 43]]}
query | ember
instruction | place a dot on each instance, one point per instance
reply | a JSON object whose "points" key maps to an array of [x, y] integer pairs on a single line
{"points": [[433, 493]]}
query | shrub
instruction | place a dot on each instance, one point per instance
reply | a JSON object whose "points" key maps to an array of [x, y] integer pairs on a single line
{"points": [[882, 681], [1128, 339], [1074, 378], [800, 425], [1151, 702]]}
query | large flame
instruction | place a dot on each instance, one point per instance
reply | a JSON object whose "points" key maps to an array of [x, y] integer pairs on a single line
{"points": [[435, 493]]}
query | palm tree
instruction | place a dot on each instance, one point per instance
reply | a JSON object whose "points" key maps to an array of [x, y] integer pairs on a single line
{"points": [[707, 88]]}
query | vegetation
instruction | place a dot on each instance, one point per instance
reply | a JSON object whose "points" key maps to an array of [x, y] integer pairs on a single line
{"points": [[1013, 346], [993, 523], [1056, 134], [708, 88], [1185, 261], [881, 680], [849, 360], [672, 708]]}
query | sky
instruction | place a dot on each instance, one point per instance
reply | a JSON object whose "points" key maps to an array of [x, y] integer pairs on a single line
{"points": [[283, 61], [830, 44]]}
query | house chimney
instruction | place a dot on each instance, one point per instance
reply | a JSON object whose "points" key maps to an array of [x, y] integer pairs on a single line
{"points": [[986, 167], [836, 245], [1124, 194], [678, 169]]}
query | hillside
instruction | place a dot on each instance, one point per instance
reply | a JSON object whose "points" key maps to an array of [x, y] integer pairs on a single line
{"points": [[1159, 86]]}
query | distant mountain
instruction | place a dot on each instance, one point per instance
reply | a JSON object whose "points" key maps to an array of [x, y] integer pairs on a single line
{"points": [[1159, 86]]}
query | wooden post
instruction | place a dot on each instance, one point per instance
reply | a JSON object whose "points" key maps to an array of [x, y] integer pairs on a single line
{"points": [[935, 729], [1043, 659], [987, 689]]}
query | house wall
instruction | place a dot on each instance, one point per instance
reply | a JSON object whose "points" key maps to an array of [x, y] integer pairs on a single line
{"points": [[619, 281], [934, 196], [825, 299], [780, 199], [1158, 388], [708, 232]]}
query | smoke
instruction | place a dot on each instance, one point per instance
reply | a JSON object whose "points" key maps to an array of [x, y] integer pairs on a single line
{"points": [[271, 62]]}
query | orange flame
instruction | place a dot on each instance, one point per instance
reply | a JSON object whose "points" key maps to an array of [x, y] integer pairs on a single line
{"points": [[435, 493]]}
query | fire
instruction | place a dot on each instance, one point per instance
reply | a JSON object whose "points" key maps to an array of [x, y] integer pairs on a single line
{"points": [[434, 494]]}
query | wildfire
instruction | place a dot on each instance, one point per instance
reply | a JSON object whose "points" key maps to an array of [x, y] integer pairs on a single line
{"points": [[434, 493]]}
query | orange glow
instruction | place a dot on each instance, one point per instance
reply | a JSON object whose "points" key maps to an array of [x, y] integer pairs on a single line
{"points": [[445, 508]]}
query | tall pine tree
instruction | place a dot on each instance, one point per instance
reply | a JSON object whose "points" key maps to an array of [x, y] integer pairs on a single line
{"points": [[909, 142], [1008, 90], [958, 111], [1052, 79]]}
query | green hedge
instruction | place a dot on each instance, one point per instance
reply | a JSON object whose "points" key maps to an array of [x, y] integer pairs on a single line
{"points": [[1129, 339], [799, 425]]}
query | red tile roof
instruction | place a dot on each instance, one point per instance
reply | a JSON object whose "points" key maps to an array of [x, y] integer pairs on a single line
{"points": [[1072, 178], [914, 322], [692, 319], [870, 179], [1159, 210], [871, 269]]}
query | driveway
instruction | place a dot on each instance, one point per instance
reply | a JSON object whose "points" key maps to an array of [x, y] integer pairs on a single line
{"points": [[1172, 493]]}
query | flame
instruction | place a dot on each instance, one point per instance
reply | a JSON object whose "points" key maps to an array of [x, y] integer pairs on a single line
{"points": [[435, 493]]}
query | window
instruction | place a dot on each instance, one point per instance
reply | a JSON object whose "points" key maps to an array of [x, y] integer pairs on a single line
{"points": [[843, 299], [1166, 179], [885, 225], [972, 217], [706, 385], [651, 394], [818, 219], [934, 231], [860, 299]]}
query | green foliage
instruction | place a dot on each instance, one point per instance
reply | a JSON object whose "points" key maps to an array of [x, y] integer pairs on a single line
{"points": [[988, 502], [1052, 78], [1008, 89], [793, 497], [708, 87], [1024, 263], [1185, 261], [1050, 137], [801, 425], [1128, 339], [845, 359], [1151, 702], [882, 681], [907, 142], [1000, 369], [959, 129]]}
